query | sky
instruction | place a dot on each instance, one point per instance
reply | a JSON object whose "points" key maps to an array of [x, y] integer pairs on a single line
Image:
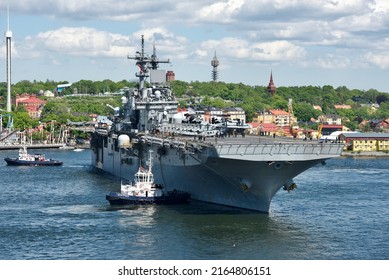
{"points": [[302, 42]]}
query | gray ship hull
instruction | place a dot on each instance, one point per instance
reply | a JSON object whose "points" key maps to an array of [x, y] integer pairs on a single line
{"points": [[238, 174]]}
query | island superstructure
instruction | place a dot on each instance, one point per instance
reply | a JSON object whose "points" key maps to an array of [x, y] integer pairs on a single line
{"points": [[195, 156]]}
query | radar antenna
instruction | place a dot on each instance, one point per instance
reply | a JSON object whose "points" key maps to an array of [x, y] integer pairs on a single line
{"points": [[145, 63], [154, 60]]}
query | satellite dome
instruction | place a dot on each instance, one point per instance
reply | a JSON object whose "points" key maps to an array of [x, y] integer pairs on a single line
{"points": [[124, 141]]}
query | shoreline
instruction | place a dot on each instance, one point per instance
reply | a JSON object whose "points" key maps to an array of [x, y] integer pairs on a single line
{"points": [[365, 154], [43, 146]]}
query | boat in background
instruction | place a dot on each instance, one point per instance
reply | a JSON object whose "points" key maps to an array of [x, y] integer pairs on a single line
{"points": [[144, 191], [25, 159]]}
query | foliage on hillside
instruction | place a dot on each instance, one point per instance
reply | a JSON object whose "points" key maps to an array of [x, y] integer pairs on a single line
{"points": [[78, 108], [256, 98], [251, 98]]}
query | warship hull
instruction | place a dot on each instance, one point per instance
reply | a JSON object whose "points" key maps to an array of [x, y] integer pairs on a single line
{"points": [[236, 172], [212, 160]]}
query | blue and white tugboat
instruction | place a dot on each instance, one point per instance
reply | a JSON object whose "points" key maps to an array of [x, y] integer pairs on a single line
{"points": [[25, 159], [144, 191]]}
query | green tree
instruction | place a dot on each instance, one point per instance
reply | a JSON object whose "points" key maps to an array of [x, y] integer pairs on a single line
{"points": [[383, 112], [305, 111], [23, 121], [179, 88]]}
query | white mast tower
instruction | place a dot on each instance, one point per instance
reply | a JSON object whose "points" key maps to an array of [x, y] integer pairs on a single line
{"points": [[8, 36]]}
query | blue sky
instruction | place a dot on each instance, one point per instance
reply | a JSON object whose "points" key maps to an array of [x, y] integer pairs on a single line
{"points": [[304, 42]]}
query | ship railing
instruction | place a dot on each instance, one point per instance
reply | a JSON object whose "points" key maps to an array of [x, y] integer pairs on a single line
{"points": [[255, 149], [164, 141], [279, 149]]}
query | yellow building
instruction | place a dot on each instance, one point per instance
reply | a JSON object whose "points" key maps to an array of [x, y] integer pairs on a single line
{"points": [[235, 113], [365, 142], [279, 117]]}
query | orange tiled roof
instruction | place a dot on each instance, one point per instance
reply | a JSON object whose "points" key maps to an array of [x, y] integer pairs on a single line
{"points": [[278, 112], [269, 127]]}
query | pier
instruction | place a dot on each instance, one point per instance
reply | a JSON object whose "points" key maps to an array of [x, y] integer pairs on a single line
{"points": [[30, 146]]}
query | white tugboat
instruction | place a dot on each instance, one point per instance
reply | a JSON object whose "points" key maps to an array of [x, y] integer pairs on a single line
{"points": [[144, 191]]}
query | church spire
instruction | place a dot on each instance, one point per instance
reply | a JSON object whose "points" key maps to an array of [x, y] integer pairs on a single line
{"points": [[271, 88]]}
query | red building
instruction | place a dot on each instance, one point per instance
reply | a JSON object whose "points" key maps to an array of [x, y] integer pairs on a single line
{"points": [[31, 103], [170, 76]]}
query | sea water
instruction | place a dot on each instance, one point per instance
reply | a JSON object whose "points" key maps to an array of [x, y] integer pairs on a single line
{"points": [[339, 211]]}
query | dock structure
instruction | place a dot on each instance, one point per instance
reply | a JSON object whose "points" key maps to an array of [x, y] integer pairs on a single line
{"points": [[31, 146]]}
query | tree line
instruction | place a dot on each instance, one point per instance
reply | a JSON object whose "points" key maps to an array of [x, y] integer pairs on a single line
{"points": [[216, 94]]}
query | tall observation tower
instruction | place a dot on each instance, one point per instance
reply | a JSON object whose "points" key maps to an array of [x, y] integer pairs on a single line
{"points": [[8, 37], [215, 64]]}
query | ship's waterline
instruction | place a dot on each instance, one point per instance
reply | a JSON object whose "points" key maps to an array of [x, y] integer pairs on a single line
{"points": [[239, 175]]}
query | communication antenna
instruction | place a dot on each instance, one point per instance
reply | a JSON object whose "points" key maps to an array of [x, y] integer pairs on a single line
{"points": [[8, 37], [145, 63]]}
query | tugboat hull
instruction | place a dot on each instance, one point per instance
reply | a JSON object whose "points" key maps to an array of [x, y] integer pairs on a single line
{"points": [[172, 197], [18, 162]]}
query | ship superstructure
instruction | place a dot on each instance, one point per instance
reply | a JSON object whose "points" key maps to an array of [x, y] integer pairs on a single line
{"points": [[196, 156]]}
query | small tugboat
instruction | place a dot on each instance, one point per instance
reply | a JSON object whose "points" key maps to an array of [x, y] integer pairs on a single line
{"points": [[26, 159], [144, 191]]}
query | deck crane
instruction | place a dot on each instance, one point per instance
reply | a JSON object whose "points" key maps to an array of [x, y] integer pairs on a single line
{"points": [[293, 126]]}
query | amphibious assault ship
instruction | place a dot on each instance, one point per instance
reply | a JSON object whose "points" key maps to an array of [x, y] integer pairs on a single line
{"points": [[194, 156]]}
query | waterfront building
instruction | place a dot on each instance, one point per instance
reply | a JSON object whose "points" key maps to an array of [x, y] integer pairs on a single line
{"points": [[327, 129], [330, 119], [31, 103], [365, 142], [278, 117], [217, 114], [378, 125], [213, 114], [235, 114], [273, 121], [266, 129]]}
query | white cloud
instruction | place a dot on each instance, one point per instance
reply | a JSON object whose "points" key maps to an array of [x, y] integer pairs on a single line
{"points": [[331, 61], [82, 42], [279, 51], [89, 42], [379, 59], [220, 11], [239, 49], [329, 34]]}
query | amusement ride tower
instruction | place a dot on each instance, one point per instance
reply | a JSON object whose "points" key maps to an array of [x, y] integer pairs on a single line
{"points": [[215, 64], [8, 37]]}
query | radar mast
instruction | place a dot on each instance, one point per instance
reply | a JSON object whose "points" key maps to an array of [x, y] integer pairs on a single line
{"points": [[145, 63]]}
